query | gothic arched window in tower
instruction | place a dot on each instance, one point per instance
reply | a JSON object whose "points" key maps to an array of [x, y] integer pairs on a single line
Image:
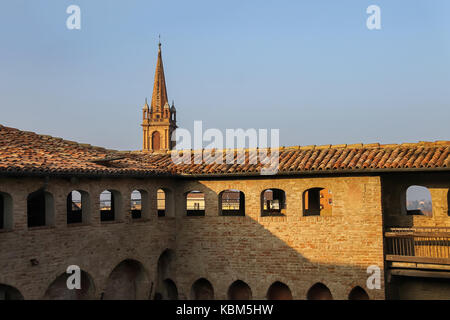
{"points": [[156, 141]]}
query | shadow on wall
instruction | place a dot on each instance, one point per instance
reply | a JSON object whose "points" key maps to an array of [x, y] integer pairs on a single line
{"points": [[227, 251]]}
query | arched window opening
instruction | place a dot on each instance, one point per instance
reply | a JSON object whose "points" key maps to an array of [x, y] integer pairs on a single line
{"points": [[319, 291], [165, 203], [195, 203], [279, 291], [9, 293], [128, 281], [76, 207], [58, 288], [317, 202], [40, 209], [418, 201], [165, 286], [6, 215], [232, 203], [239, 290], [161, 202], [202, 289], [170, 290], [358, 293], [109, 205], [273, 202], [136, 204]]}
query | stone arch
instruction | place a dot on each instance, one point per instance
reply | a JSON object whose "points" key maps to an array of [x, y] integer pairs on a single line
{"points": [[358, 293], [239, 290], [58, 290], [202, 289], [9, 293], [279, 291], [319, 291], [166, 288], [127, 281], [168, 291], [6, 211], [156, 140]]}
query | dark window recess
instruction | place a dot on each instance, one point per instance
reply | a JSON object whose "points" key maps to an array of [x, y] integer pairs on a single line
{"points": [[2, 212], [36, 209], [161, 202], [136, 214], [136, 205], [74, 210], [107, 208]]}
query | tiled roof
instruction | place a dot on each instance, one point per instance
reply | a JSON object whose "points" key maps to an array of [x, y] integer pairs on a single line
{"points": [[24, 152], [329, 158]]}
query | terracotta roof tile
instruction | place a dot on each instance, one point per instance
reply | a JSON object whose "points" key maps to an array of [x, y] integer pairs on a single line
{"points": [[27, 152]]}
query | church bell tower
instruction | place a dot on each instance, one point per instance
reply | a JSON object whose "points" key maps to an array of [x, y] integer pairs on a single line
{"points": [[158, 119]]}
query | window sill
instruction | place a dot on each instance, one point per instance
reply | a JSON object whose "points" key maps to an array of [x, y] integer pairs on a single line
{"points": [[40, 228], [273, 218], [110, 222], [140, 220], [78, 224]]}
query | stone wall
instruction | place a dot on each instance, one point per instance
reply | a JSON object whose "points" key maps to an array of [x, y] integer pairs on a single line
{"points": [[96, 247]]}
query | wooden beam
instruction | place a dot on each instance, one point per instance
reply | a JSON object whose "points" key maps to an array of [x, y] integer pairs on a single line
{"points": [[420, 273], [390, 257]]}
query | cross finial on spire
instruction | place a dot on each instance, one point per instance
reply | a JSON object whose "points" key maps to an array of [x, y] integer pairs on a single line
{"points": [[159, 41]]}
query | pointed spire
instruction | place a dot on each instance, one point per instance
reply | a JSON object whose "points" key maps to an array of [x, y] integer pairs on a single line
{"points": [[146, 104], [159, 97]]}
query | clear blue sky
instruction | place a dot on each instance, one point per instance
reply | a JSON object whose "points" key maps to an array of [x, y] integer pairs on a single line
{"points": [[310, 68]]}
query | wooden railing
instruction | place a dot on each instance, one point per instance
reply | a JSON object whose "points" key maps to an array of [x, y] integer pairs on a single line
{"points": [[418, 245]]}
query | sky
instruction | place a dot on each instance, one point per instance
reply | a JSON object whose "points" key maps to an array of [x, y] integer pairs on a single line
{"points": [[311, 69]]}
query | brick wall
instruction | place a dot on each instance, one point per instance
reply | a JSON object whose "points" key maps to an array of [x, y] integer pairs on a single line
{"points": [[296, 250]]}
